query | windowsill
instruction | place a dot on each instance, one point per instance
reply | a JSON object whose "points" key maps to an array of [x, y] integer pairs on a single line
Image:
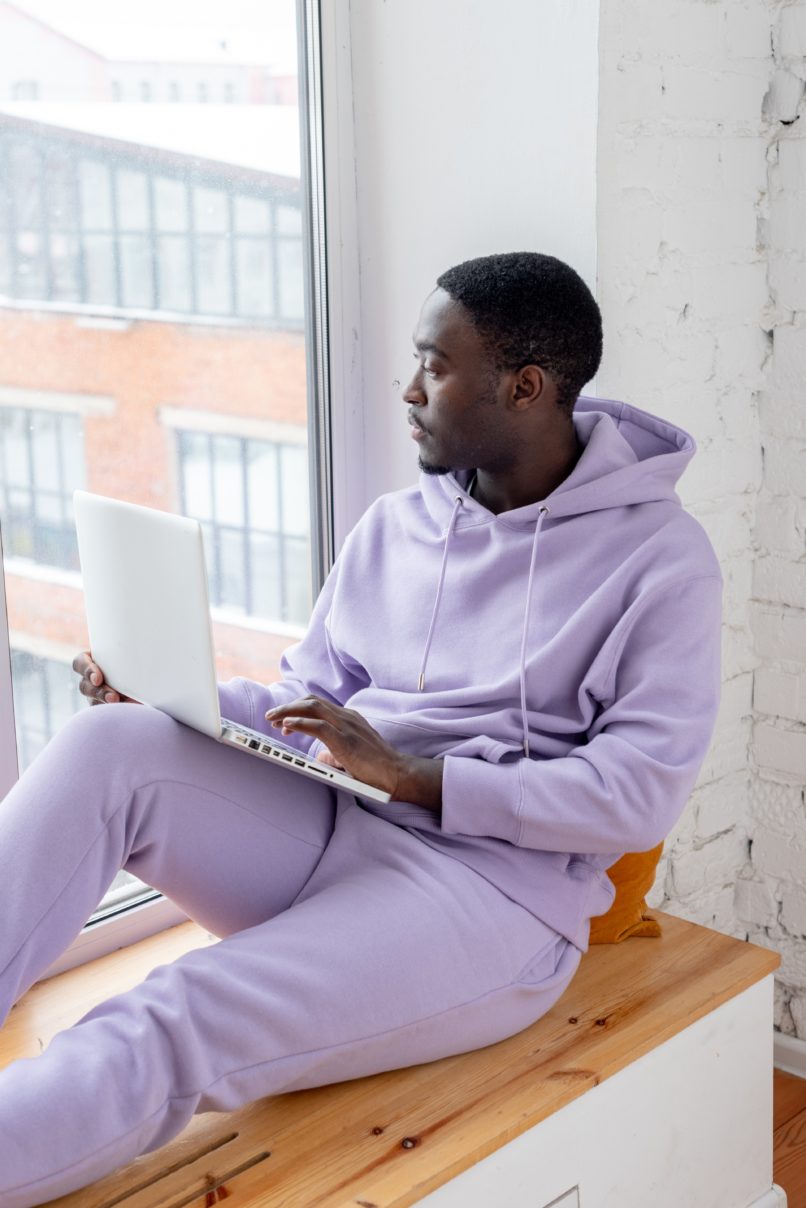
{"points": [[129, 926]]}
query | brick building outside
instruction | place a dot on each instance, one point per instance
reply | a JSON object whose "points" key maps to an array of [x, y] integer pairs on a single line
{"points": [[151, 348]]}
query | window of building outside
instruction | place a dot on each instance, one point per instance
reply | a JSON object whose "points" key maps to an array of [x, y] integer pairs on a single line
{"points": [[145, 272], [25, 90]]}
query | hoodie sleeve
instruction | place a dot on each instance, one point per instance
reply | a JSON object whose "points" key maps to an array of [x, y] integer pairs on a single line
{"points": [[624, 789], [312, 666]]}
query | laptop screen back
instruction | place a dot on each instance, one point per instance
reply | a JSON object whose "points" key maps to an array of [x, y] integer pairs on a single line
{"points": [[145, 591]]}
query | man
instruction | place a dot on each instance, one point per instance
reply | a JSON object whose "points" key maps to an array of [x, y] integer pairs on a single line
{"points": [[523, 649]]}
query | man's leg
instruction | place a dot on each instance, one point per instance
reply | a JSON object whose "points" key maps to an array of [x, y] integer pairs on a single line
{"points": [[393, 954], [228, 837]]}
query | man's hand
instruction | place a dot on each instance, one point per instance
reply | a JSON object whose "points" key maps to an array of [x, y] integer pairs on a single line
{"points": [[93, 682], [353, 745]]}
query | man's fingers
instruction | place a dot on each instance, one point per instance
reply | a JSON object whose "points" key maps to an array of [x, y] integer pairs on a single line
{"points": [[311, 706]]}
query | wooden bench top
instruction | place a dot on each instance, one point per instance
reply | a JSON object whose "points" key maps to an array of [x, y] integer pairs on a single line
{"points": [[388, 1140]]}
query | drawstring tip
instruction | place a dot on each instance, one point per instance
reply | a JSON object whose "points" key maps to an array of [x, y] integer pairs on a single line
{"points": [[526, 747], [421, 682]]}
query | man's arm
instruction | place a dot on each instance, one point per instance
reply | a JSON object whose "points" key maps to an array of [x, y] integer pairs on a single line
{"points": [[626, 787]]}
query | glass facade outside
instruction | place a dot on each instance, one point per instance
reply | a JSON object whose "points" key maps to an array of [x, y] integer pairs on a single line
{"points": [[115, 230]]}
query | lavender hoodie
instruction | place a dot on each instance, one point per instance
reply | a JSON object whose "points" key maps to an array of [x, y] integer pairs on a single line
{"points": [[562, 659]]}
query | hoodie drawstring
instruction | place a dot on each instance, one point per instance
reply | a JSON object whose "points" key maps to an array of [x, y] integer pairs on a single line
{"points": [[449, 534], [538, 526], [451, 526]]}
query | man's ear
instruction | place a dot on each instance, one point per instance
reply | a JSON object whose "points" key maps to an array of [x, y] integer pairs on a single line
{"points": [[530, 387]]}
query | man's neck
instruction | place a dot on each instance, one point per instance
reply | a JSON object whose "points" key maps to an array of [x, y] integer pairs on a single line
{"points": [[503, 494]]}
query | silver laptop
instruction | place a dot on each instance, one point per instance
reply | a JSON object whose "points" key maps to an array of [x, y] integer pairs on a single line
{"points": [[148, 617]]}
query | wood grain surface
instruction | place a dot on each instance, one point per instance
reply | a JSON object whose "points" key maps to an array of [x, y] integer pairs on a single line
{"points": [[387, 1140]]}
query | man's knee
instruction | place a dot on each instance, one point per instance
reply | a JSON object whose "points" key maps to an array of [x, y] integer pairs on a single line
{"points": [[115, 730]]}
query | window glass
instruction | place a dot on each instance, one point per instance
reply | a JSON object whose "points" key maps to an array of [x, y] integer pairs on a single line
{"points": [[292, 300], [15, 445], [298, 580], [213, 275], [254, 275], [289, 220], [65, 267], [228, 478], [171, 203], [252, 216], [264, 560], [210, 209], [5, 256], [135, 268], [25, 171], [264, 485], [196, 475], [158, 338], [133, 209], [42, 451], [173, 273], [294, 477], [95, 181], [232, 588], [100, 269], [61, 194], [44, 697]]}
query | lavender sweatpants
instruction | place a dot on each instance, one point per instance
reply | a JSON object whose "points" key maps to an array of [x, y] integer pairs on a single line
{"points": [[349, 945]]}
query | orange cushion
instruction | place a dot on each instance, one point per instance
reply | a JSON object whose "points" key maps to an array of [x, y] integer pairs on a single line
{"points": [[633, 876]]}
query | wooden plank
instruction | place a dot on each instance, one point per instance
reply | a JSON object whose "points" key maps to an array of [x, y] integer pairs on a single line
{"points": [[55, 1004], [789, 1159], [388, 1140], [788, 1097]]}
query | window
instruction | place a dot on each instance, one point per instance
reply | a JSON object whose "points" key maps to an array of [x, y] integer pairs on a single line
{"points": [[167, 249], [145, 90], [25, 90], [41, 464], [229, 92], [45, 695], [202, 91], [251, 497], [116, 230]]}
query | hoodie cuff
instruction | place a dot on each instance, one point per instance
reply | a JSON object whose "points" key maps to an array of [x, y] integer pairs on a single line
{"points": [[481, 798]]}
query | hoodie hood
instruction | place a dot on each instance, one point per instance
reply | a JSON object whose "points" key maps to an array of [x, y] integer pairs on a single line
{"points": [[629, 456]]}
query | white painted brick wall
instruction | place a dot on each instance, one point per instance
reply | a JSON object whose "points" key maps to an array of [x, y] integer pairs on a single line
{"points": [[778, 829], [702, 282]]}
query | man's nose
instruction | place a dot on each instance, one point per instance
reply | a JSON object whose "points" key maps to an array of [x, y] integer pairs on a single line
{"points": [[414, 391]]}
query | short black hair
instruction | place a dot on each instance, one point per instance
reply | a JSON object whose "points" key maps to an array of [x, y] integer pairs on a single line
{"points": [[532, 309]]}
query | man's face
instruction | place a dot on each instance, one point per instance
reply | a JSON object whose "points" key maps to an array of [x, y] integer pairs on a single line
{"points": [[456, 397]]}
